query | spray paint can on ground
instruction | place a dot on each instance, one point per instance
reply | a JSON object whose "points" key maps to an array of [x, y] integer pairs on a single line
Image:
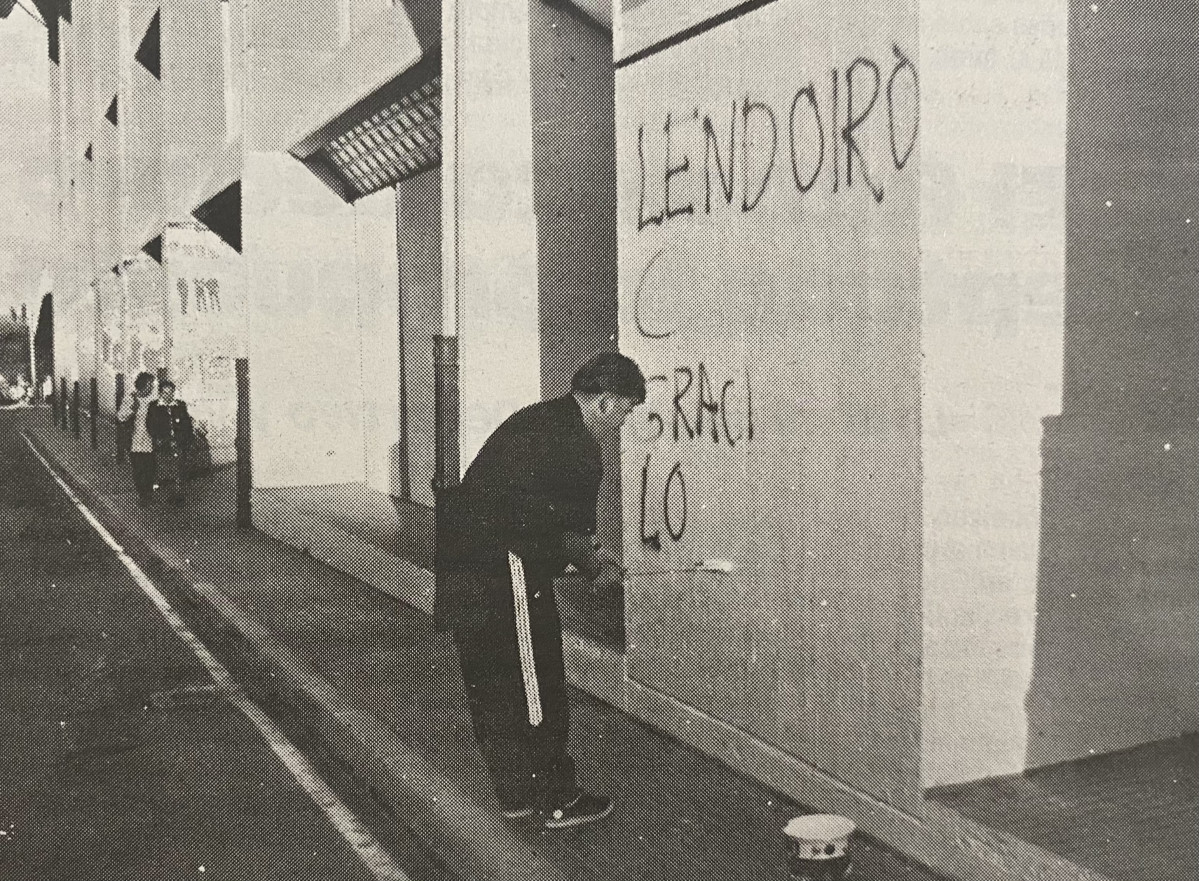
{"points": [[818, 847]]}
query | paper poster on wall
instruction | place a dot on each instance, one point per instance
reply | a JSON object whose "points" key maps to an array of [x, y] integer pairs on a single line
{"points": [[207, 321]]}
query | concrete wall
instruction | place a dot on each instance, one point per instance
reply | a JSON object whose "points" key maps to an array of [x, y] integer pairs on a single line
{"points": [[287, 40], [992, 243], [490, 237], [302, 326], [363, 13], [572, 94], [378, 280], [144, 157], [146, 321], [1117, 618], [771, 292], [204, 289], [194, 102]]}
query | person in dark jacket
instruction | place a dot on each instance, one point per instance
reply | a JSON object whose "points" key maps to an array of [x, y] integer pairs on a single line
{"points": [[524, 512], [134, 431], [170, 427]]}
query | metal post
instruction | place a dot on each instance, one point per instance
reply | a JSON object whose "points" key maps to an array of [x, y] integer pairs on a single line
{"points": [[120, 449], [245, 471], [446, 465], [94, 416], [75, 409], [64, 410]]}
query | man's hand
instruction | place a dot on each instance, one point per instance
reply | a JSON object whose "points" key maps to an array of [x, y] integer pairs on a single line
{"points": [[582, 551], [592, 561]]}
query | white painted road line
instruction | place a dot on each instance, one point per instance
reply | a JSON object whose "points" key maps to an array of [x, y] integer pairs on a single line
{"points": [[361, 842]]}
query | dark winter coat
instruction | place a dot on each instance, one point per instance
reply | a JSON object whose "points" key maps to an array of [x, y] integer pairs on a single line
{"points": [[536, 478], [169, 426]]}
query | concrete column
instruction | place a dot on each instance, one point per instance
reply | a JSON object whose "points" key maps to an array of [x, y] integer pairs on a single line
{"points": [[489, 233], [992, 251]]}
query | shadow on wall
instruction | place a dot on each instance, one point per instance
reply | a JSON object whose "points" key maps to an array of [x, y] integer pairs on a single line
{"points": [[1116, 652], [1116, 649]]}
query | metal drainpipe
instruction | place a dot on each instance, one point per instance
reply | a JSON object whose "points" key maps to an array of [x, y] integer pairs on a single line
{"points": [[446, 415]]}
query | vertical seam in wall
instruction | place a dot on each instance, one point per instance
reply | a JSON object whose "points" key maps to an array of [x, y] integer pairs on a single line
{"points": [[402, 334], [457, 175], [361, 346]]}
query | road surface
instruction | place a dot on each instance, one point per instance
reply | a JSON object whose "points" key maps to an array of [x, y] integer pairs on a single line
{"points": [[121, 757]]}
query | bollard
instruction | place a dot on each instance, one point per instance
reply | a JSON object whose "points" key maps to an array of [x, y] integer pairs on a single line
{"points": [[120, 399], [95, 429], [75, 409], [245, 471]]}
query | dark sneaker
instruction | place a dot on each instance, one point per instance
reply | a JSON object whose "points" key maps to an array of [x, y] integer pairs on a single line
{"points": [[516, 812], [586, 808]]}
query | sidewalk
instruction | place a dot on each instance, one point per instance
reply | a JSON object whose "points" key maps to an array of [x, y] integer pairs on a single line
{"points": [[370, 678]]}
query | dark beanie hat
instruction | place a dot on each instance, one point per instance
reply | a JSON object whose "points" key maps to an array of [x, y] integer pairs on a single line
{"points": [[610, 372]]}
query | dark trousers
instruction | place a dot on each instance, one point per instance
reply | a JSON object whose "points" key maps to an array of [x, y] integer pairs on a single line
{"points": [[143, 468], [169, 463], [529, 764]]}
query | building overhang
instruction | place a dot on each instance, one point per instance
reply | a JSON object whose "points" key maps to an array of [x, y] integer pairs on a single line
{"points": [[216, 202], [598, 12], [149, 47], [376, 115], [149, 236], [153, 248]]}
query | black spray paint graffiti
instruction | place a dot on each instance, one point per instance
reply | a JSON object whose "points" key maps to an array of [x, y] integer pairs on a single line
{"points": [[812, 149], [698, 413]]}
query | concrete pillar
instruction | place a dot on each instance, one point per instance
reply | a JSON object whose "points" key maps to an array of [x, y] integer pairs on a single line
{"points": [[489, 234], [991, 276]]}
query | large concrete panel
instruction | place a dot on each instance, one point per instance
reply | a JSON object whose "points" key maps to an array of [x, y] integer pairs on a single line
{"points": [[144, 158], [378, 279], [489, 232], [302, 326], [194, 101], [574, 199], [769, 230], [993, 125]]}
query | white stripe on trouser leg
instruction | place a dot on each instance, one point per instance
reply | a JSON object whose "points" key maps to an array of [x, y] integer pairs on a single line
{"points": [[524, 638]]}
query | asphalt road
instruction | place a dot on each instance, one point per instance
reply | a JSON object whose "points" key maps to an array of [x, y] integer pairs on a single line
{"points": [[119, 759]]}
